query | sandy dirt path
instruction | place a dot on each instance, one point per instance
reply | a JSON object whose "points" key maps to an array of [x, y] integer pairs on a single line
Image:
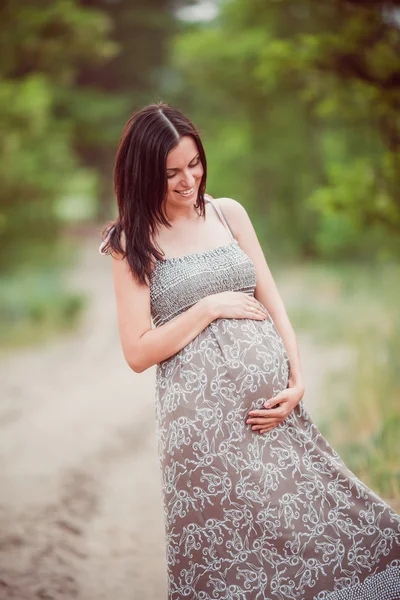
{"points": [[80, 499]]}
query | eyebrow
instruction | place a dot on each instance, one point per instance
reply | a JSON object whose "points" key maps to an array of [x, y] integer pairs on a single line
{"points": [[176, 168]]}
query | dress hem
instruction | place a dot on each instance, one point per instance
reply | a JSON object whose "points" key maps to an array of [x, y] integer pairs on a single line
{"points": [[384, 585]]}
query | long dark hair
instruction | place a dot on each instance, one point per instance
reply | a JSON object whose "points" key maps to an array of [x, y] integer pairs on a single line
{"points": [[140, 183]]}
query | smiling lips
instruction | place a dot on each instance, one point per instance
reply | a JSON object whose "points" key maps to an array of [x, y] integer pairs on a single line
{"points": [[187, 192]]}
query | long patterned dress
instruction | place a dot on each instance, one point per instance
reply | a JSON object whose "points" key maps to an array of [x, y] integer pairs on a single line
{"points": [[276, 516]]}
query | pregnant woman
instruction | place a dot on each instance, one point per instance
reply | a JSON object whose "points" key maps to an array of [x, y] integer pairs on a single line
{"points": [[257, 504]]}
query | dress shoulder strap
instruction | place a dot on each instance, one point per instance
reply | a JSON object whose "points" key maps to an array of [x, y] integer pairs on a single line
{"points": [[221, 215]]}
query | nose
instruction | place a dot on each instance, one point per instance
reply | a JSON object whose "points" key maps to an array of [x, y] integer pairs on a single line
{"points": [[188, 180]]}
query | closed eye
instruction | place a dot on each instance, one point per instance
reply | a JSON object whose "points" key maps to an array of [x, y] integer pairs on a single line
{"points": [[170, 175]]}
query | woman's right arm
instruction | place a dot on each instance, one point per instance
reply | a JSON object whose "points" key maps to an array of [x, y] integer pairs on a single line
{"points": [[144, 346]]}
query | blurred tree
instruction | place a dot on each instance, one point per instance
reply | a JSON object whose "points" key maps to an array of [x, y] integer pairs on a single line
{"points": [[108, 93], [353, 66], [41, 48], [309, 93]]}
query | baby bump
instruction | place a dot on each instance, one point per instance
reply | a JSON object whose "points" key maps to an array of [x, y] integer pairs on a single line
{"points": [[231, 363], [204, 392], [254, 360]]}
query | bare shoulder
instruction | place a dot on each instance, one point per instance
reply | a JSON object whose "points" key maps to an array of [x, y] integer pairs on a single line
{"points": [[230, 206], [234, 212]]}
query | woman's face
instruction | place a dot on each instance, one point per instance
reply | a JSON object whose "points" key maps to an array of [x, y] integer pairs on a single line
{"points": [[184, 172]]}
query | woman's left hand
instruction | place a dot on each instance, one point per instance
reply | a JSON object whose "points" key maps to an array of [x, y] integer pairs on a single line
{"points": [[267, 418]]}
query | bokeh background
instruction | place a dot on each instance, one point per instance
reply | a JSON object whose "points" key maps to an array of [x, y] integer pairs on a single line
{"points": [[298, 105]]}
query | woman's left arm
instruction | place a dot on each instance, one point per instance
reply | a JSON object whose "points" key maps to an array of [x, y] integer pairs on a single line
{"points": [[267, 293]]}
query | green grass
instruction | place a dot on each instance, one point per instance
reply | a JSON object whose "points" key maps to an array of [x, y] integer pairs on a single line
{"points": [[356, 306], [36, 306]]}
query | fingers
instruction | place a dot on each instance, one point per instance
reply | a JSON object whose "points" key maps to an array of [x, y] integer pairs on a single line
{"points": [[266, 413], [255, 310], [266, 426], [264, 420], [254, 313], [275, 400], [257, 421], [278, 401]]}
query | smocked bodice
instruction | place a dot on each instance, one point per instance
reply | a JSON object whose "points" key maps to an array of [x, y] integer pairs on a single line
{"points": [[178, 283]]}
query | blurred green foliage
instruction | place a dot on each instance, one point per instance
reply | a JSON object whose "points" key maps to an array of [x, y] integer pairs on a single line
{"points": [[299, 103], [70, 73], [41, 47], [108, 93]]}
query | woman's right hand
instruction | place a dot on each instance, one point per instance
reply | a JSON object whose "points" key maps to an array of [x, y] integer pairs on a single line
{"points": [[235, 305]]}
